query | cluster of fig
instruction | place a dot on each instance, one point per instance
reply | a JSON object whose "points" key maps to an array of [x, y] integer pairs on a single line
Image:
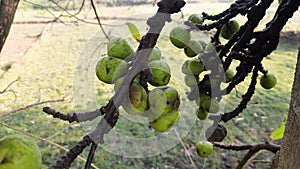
{"points": [[192, 69], [161, 104]]}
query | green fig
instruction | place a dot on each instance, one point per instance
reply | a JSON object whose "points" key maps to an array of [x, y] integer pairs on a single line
{"points": [[210, 83], [119, 48], [138, 100], [210, 47], [201, 113], [211, 105], [228, 75], [108, 69], [161, 73], [19, 152], [184, 67], [118, 82], [228, 29], [180, 37], [155, 54], [191, 80], [196, 66], [163, 100], [268, 81], [165, 121], [202, 97], [193, 49], [196, 19], [204, 148]]}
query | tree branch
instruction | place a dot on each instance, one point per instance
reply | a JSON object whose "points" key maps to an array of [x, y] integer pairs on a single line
{"points": [[31, 105], [252, 150], [98, 19]]}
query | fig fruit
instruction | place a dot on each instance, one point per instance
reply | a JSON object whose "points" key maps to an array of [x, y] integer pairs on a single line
{"points": [[191, 80], [196, 66], [228, 75], [268, 81], [108, 69], [229, 28], [155, 54], [193, 49], [138, 100], [163, 100], [161, 73], [211, 105], [19, 152], [204, 148], [165, 121], [196, 19], [180, 37], [119, 48], [201, 113]]}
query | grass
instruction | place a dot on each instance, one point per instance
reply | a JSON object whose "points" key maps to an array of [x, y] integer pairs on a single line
{"points": [[47, 71]]}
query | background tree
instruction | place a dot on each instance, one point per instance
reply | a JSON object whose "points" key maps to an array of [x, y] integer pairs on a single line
{"points": [[7, 13]]}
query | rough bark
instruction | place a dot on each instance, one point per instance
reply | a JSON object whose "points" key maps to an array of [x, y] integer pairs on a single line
{"points": [[289, 155], [7, 13]]}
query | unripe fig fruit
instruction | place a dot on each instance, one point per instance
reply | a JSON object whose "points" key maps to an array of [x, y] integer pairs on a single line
{"points": [[228, 29], [138, 100], [163, 100], [180, 37], [165, 121], [203, 44], [19, 152], [210, 47], [161, 73], [204, 148], [268, 81], [202, 97], [196, 19], [155, 54], [196, 66], [201, 113], [118, 82], [193, 49], [210, 83], [184, 67], [108, 69], [191, 80], [228, 75], [119, 48], [211, 105]]}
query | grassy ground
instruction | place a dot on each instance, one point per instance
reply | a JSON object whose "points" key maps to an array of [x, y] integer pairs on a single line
{"points": [[46, 69]]}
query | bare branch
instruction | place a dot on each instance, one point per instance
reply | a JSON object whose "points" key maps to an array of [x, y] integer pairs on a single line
{"points": [[252, 150], [11, 83], [31, 105], [98, 19]]}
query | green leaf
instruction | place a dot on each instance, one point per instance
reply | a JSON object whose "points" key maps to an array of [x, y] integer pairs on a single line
{"points": [[58, 92], [134, 31], [279, 132]]}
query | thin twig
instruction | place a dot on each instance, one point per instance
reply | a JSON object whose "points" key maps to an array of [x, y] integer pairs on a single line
{"points": [[98, 19], [11, 83], [252, 150], [185, 149], [31, 105]]}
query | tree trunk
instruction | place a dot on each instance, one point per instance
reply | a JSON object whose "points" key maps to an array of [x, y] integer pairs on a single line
{"points": [[7, 13], [289, 155]]}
